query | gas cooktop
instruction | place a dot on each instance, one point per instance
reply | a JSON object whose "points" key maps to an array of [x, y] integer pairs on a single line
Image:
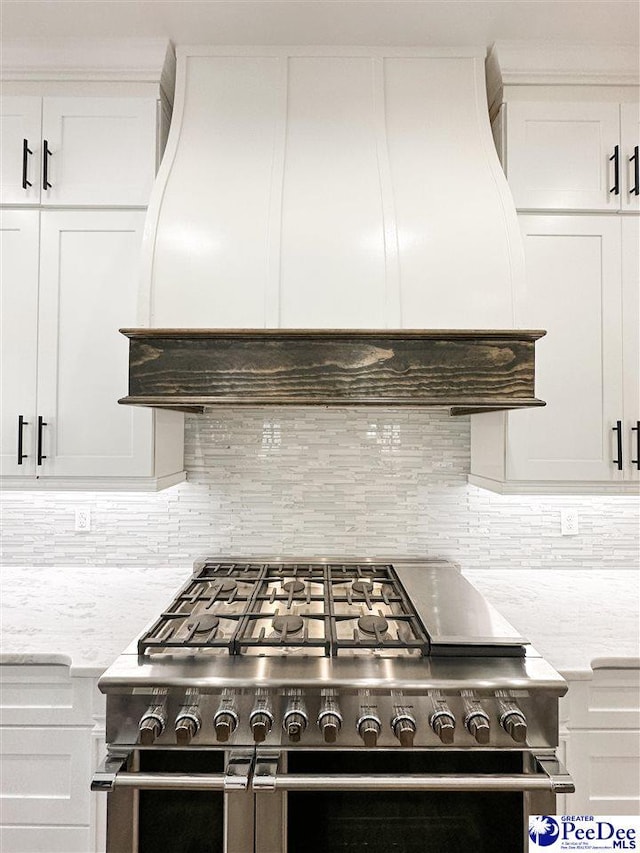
{"points": [[248, 646], [277, 608]]}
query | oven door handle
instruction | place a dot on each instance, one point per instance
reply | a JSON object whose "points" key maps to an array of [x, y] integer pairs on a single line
{"points": [[413, 782], [104, 778], [549, 775], [111, 775]]}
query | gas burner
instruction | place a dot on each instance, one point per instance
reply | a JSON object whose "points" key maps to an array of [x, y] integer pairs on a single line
{"points": [[285, 625], [373, 625], [363, 588], [224, 586], [270, 608], [203, 623]]}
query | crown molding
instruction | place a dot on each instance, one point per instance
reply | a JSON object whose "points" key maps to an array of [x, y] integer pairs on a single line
{"points": [[560, 64], [91, 59]]}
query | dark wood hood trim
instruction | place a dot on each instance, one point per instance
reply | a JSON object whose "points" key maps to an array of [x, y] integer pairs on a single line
{"points": [[465, 371]]}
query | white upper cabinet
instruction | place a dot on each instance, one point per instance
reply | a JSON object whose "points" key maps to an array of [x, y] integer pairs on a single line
{"points": [[64, 363], [582, 286], [631, 344], [331, 188], [574, 290], [20, 124], [77, 168], [572, 155], [630, 156], [88, 266], [18, 339], [78, 151]]}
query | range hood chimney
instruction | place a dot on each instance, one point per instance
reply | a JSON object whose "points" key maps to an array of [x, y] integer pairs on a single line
{"points": [[318, 204]]}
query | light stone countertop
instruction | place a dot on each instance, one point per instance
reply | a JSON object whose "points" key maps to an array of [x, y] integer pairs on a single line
{"points": [[84, 616], [574, 618]]}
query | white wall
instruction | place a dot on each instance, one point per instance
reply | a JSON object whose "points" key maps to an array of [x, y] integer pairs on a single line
{"points": [[315, 482]]}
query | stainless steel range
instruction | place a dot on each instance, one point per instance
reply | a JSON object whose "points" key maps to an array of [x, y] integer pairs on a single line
{"points": [[290, 707]]}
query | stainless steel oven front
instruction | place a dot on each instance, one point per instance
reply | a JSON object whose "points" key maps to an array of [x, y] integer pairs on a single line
{"points": [[327, 800], [178, 801], [409, 802]]}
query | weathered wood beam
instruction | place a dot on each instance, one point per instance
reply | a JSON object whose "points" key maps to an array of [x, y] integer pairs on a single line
{"points": [[465, 371]]}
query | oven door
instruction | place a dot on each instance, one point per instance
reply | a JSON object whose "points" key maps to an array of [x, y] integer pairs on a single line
{"points": [[178, 801], [407, 802]]}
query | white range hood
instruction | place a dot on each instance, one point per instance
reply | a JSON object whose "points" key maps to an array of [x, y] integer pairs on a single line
{"points": [[330, 188]]}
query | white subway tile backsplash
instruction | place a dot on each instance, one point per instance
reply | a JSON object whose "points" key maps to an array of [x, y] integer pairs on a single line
{"points": [[310, 482]]}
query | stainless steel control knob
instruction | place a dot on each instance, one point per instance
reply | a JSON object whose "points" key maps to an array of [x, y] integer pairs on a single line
{"points": [[150, 729], [224, 725], [443, 723], [295, 719], [404, 728], [152, 724], [187, 726], [515, 725], [329, 719], [369, 728], [294, 723], [260, 722], [330, 724], [478, 725]]}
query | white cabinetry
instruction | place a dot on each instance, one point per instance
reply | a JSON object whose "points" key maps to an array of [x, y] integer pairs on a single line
{"points": [[572, 155], [77, 166], [77, 151], [603, 745], [51, 727], [67, 325], [20, 132], [631, 338], [582, 286], [19, 239]]}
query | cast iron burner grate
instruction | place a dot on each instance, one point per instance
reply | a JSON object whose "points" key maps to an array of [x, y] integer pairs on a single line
{"points": [[267, 608]]}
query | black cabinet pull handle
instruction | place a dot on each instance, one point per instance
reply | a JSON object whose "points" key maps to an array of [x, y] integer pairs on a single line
{"points": [[615, 189], [21, 423], [635, 189], [618, 430], [46, 153], [41, 423], [636, 429], [25, 162]]}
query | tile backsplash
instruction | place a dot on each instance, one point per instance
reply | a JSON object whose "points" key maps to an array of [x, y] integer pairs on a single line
{"points": [[321, 482]]}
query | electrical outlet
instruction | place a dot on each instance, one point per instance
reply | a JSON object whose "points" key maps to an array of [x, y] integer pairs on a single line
{"points": [[83, 519], [569, 522]]}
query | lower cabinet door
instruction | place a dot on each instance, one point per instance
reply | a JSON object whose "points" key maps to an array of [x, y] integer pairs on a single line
{"points": [[88, 291], [604, 765], [45, 776]]}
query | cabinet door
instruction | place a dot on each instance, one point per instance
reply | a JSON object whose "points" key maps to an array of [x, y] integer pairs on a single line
{"points": [[20, 169], [45, 775], [573, 290], [102, 150], [558, 155], [18, 341], [631, 342], [630, 156], [88, 290], [604, 765]]}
